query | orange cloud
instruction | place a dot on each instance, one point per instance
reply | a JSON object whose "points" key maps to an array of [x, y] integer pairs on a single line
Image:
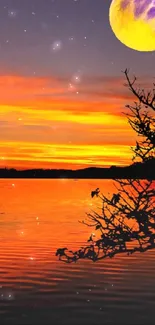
{"points": [[66, 154], [59, 128]]}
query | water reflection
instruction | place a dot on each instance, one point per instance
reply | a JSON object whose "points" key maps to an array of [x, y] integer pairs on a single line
{"points": [[133, 203], [117, 290]]}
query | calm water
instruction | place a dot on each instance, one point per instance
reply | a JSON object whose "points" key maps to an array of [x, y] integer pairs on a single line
{"points": [[39, 216]]}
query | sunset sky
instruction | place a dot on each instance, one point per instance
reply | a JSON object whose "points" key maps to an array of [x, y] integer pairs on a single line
{"points": [[62, 91]]}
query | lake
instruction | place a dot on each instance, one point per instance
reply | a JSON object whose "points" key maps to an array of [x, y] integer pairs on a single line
{"points": [[39, 216]]}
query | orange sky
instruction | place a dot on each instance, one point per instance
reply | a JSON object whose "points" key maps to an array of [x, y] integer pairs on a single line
{"points": [[45, 125]]}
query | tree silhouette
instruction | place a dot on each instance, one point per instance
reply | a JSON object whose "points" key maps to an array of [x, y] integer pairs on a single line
{"points": [[126, 222], [141, 120], [124, 225]]}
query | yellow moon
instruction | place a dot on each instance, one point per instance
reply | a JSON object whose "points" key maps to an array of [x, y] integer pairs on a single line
{"points": [[133, 23]]}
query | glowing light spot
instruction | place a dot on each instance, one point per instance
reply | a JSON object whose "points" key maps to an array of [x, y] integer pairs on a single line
{"points": [[71, 87], [56, 46], [12, 13], [77, 78]]}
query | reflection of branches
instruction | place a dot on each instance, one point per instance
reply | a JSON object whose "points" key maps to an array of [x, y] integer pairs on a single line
{"points": [[124, 226]]}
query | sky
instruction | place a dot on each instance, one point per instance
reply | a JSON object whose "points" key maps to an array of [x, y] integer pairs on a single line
{"points": [[62, 92]]}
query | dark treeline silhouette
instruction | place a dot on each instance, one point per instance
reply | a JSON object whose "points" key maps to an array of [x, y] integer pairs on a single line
{"points": [[136, 170], [126, 222]]}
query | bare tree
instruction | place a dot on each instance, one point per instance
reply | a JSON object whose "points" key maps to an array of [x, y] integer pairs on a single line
{"points": [[126, 223], [141, 120]]}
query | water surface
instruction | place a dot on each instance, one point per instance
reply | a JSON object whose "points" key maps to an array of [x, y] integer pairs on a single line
{"points": [[39, 216]]}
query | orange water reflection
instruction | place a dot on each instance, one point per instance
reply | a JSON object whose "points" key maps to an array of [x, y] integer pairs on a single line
{"points": [[39, 212], [38, 217]]}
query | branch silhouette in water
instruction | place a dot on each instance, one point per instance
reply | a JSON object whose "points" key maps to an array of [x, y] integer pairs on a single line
{"points": [[134, 204]]}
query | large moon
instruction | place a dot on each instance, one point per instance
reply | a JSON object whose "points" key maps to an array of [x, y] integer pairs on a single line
{"points": [[133, 23]]}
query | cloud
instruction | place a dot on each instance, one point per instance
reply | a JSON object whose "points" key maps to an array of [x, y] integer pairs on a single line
{"points": [[55, 126], [17, 89], [63, 153]]}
